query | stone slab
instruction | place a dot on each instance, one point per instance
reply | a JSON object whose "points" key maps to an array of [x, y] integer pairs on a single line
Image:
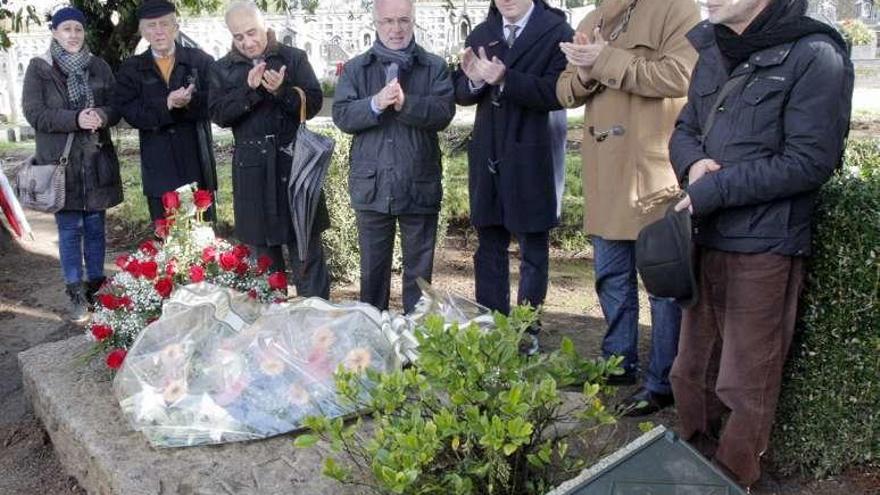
{"points": [[95, 444]]}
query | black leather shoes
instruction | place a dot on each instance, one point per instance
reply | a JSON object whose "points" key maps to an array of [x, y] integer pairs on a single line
{"points": [[621, 380], [645, 402]]}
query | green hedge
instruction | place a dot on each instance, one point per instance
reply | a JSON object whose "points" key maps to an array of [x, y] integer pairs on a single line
{"points": [[829, 412]]}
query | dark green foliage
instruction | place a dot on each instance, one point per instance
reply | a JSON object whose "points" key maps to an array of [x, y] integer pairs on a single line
{"points": [[471, 416], [829, 413], [340, 240]]}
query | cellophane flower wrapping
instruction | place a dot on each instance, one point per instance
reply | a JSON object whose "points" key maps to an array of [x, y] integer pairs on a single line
{"points": [[220, 367]]}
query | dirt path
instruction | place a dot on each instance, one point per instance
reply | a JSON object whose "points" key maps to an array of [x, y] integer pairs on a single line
{"points": [[32, 303]]}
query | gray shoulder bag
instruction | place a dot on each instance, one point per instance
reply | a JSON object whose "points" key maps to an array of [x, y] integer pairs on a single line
{"points": [[40, 187]]}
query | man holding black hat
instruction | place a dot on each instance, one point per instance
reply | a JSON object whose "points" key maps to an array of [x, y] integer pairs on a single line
{"points": [[764, 127], [163, 93], [253, 91]]}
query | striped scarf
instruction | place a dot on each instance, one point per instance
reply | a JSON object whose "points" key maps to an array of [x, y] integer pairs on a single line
{"points": [[75, 67]]}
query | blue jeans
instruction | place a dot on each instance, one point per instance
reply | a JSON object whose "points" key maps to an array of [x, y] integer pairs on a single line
{"points": [[81, 238], [618, 290]]}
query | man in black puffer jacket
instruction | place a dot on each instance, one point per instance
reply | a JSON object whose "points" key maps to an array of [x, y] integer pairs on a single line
{"points": [[764, 127], [252, 91]]}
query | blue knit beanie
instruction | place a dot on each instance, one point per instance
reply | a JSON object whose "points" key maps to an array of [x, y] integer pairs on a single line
{"points": [[67, 14]]}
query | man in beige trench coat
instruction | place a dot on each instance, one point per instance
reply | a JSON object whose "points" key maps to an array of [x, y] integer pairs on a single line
{"points": [[630, 64]]}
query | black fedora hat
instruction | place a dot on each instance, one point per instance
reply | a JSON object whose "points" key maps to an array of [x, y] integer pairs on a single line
{"points": [[664, 258]]}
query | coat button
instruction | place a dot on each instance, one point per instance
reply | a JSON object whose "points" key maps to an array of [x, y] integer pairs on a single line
{"points": [[612, 81], [722, 108]]}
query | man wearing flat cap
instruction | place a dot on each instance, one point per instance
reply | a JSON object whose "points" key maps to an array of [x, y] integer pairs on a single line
{"points": [[163, 93]]}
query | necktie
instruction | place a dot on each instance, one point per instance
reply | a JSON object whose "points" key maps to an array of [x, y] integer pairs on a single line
{"points": [[511, 35]]}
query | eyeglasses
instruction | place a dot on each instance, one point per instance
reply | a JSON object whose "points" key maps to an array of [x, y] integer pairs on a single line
{"points": [[402, 23]]}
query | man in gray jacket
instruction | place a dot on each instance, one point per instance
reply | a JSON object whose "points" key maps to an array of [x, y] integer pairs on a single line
{"points": [[394, 98]]}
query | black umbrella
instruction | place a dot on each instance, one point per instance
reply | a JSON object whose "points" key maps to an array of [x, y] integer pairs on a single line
{"points": [[311, 159]]}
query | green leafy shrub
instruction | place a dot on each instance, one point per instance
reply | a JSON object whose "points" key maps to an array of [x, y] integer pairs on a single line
{"points": [[857, 32], [340, 240], [471, 416], [828, 417], [328, 87]]}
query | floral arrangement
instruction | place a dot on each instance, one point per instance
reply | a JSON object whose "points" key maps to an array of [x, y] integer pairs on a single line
{"points": [[856, 32], [221, 367], [186, 251]]}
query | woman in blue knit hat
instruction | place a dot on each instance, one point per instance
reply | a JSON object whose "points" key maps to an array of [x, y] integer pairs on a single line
{"points": [[66, 99]]}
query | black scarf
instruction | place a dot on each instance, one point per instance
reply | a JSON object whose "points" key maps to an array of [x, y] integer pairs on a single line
{"points": [[395, 61], [782, 21]]}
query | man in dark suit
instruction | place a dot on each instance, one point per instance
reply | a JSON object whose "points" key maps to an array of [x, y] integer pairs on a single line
{"points": [[163, 93], [509, 70]]}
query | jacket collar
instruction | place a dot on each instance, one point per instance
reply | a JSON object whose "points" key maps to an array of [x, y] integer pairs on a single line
{"points": [[542, 20], [181, 56], [702, 37], [420, 56]]}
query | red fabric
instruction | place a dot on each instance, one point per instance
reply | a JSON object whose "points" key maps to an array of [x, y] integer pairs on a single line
{"points": [[10, 216]]}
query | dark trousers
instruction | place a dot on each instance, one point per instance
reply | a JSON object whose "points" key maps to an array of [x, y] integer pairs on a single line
{"points": [[157, 209], [418, 236], [492, 268], [310, 276], [733, 346]]}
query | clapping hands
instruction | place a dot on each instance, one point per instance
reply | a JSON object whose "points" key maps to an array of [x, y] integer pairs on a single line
{"points": [[480, 69], [583, 53], [270, 79]]}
